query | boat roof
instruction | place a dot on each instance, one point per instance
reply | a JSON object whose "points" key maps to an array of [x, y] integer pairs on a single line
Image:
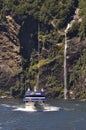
{"points": [[34, 93]]}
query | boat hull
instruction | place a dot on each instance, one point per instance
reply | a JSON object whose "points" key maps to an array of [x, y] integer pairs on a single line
{"points": [[34, 106]]}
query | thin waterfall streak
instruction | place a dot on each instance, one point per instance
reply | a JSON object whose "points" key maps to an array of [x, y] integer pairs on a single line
{"points": [[65, 68], [37, 83], [69, 25]]}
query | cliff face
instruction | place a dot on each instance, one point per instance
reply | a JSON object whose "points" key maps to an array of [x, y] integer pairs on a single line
{"points": [[76, 66], [19, 43], [10, 58]]}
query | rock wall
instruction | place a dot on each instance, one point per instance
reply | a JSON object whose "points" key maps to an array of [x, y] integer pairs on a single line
{"points": [[19, 43], [10, 59], [76, 67]]}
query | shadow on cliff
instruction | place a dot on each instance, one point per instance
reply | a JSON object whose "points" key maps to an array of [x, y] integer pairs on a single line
{"points": [[28, 37]]}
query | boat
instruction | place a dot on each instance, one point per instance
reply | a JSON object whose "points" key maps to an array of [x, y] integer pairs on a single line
{"points": [[34, 100], [34, 96]]}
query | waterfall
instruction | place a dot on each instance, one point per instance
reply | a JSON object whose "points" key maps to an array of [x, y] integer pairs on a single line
{"points": [[37, 83], [75, 17], [65, 68], [65, 59]]}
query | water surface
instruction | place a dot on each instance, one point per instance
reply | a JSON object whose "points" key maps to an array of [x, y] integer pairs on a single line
{"points": [[71, 116]]}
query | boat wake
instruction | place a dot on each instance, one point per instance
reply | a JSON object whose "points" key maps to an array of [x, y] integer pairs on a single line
{"points": [[46, 107], [25, 109], [31, 108], [51, 108]]}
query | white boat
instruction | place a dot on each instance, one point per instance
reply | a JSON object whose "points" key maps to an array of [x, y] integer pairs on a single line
{"points": [[34, 100]]}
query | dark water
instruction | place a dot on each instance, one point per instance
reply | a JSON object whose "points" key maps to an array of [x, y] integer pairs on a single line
{"points": [[71, 116]]}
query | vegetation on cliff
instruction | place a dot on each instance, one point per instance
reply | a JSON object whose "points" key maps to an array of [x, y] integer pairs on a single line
{"points": [[52, 16]]}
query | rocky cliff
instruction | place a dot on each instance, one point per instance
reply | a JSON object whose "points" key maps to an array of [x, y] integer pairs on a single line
{"points": [[10, 58], [32, 42], [76, 64], [17, 48]]}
